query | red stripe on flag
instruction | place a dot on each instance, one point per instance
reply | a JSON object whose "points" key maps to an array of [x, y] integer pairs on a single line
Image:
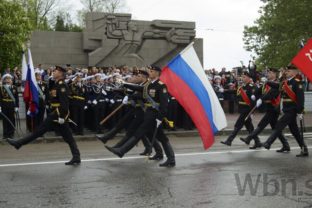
{"points": [[303, 60], [185, 96]]}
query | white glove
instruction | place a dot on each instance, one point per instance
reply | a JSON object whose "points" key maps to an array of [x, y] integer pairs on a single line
{"points": [[16, 109], [300, 116], [61, 120], [221, 90], [158, 122], [94, 102], [47, 107], [253, 97], [89, 102], [103, 92], [125, 100], [112, 101], [85, 108], [259, 102], [0, 110]]}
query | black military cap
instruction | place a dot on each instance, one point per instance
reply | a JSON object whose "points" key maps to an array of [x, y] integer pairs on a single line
{"points": [[156, 68], [291, 67], [59, 68], [273, 70], [246, 73], [143, 72]]}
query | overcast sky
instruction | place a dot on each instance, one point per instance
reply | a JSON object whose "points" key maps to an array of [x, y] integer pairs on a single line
{"points": [[219, 22]]}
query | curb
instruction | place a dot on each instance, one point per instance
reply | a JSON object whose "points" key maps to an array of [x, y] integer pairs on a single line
{"points": [[179, 133]]}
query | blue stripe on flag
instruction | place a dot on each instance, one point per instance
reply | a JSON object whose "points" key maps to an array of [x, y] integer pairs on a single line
{"points": [[185, 72]]}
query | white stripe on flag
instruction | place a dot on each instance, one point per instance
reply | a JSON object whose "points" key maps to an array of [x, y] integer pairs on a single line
{"points": [[190, 57]]}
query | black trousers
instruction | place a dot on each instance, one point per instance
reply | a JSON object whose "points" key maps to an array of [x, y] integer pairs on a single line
{"points": [[8, 129], [271, 117], [240, 122], [50, 124], [288, 119], [99, 111]]}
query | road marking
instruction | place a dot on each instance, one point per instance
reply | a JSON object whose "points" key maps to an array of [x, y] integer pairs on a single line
{"points": [[140, 157]]}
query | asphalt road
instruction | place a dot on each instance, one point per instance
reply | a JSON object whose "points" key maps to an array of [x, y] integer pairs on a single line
{"points": [[35, 176]]}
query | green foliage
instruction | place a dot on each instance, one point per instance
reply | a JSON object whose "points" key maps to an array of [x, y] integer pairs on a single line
{"points": [[15, 29], [276, 35]]}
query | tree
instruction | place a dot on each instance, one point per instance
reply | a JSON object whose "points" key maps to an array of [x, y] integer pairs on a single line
{"points": [[65, 23], [276, 35], [15, 30], [108, 6], [59, 25]]}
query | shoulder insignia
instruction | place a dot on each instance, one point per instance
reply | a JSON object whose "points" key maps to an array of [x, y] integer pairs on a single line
{"points": [[300, 86], [165, 90], [63, 89]]}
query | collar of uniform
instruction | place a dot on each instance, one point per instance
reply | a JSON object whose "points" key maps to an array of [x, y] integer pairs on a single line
{"points": [[153, 81], [290, 78]]}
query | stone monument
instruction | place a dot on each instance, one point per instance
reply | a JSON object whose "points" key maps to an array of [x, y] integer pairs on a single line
{"points": [[116, 39]]}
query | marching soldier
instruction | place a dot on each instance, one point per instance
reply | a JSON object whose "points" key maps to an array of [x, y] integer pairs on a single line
{"points": [[271, 99], [134, 117], [77, 97], [246, 97], [8, 105], [156, 103], [292, 106], [56, 119]]}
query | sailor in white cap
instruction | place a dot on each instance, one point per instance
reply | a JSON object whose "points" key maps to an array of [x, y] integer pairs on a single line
{"points": [[8, 105]]}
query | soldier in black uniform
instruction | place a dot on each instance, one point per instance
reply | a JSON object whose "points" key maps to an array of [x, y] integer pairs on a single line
{"points": [[246, 95], [156, 103], [77, 92], [134, 117], [292, 105], [271, 99], [56, 119], [8, 105], [43, 96]]}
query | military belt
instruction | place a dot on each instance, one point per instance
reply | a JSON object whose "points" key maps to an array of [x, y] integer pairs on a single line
{"points": [[55, 105], [242, 103], [7, 100], [78, 97], [287, 100]]}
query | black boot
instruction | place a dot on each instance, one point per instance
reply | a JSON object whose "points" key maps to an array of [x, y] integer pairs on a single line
{"points": [[246, 140], [15, 143], [229, 140], [158, 152], [170, 162], [270, 140], [148, 149], [108, 135], [121, 142], [74, 161], [304, 152], [157, 157], [128, 145], [257, 143], [285, 148]]}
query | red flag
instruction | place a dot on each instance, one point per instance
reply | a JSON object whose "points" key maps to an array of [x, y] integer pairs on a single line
{"points": [[303, 60]]}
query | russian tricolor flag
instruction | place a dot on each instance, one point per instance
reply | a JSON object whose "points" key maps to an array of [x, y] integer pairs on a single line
{"points": [[30, 94], [186, 81]]}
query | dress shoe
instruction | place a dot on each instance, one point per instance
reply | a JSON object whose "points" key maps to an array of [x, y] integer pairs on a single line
{"points": [[73, 161]]}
